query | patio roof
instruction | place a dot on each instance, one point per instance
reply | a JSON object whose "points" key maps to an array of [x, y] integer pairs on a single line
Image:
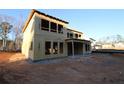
{"points": [[77, 40]]}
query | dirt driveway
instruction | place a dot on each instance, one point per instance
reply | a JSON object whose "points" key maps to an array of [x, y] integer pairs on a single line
{"points": [[93, 69]]}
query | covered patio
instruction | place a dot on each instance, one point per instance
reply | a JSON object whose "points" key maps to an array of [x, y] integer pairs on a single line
{"points": [[78, 47]]}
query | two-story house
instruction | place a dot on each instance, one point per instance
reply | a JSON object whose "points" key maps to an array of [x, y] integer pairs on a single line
{"points": [[46, 37]]}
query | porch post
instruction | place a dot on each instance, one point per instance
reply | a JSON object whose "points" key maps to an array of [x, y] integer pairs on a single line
{"points": [[72, 48], [83, 48]]}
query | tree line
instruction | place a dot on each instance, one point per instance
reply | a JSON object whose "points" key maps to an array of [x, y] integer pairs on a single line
{"points": [[11, 33]]}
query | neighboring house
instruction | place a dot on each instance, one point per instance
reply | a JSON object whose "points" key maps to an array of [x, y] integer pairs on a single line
{"points": [[45, 37], [10, 45], [96, 46], [117, 46], [108, 46]]}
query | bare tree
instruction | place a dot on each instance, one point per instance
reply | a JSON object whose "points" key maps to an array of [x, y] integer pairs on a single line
{"points": [[111, 39], [120, 38], [0, 33], [5, 26], [6, 23], [6, 18], [18, 32]]}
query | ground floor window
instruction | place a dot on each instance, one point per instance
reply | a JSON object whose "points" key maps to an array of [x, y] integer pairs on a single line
{"points": [[87, 47], [61, 47], [68, 35], [55, 47], [47, 48]]}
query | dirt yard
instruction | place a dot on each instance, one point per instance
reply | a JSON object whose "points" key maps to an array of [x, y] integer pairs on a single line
{"points": [[94, 69]]}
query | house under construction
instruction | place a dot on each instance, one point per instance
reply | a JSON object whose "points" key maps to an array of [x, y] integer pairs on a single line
{"points": [[46, 37]]}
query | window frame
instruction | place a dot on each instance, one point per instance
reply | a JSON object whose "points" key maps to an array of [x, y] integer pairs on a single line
{"points": [[47, 51], [43, 27], [55, 48], [68, 35], [79, 35], [60, 29], [71, 35], [53, 27], [76, 35], [61, 52]]}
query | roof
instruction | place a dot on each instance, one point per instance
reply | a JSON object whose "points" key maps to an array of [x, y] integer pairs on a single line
{"points": [[78, 40], [35, 11], [74, 30]]}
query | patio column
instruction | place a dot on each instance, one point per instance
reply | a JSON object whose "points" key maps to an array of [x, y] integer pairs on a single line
{"points": [[72, 48], [83, 48]]}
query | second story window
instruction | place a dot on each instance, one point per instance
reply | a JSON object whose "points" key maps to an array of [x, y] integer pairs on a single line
{"points": [[60, 28], [67, 35], [79, 35], [44, 25], [71, 35], [53, 27], [76, 35]]}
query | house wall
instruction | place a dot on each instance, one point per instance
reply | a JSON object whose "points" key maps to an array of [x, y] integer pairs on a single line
{"points": [[28, 38], [33, 34], [74, 32], [40, 37]]}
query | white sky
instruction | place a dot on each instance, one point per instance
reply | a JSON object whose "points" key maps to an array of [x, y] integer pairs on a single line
{"points": [[85, 4]]}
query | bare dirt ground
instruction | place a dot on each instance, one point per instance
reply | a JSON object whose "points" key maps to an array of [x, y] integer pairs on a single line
{"points": [[94, 69]]}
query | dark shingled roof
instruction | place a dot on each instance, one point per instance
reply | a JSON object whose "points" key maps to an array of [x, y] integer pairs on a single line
{"points": [[51, 16], [82, 40]]}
